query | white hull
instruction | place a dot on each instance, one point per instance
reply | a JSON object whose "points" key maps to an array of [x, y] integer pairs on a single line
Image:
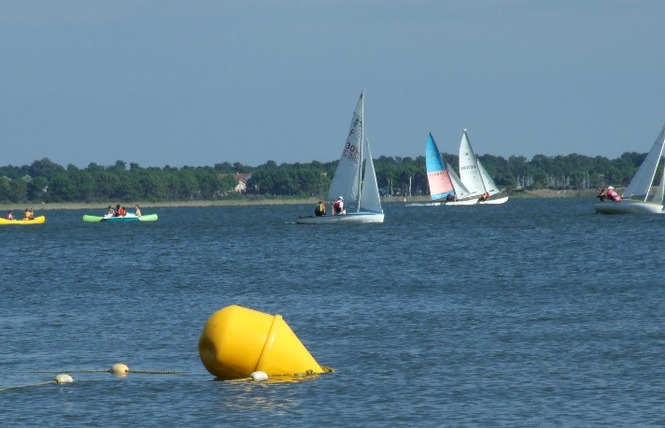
{"points": [[350, 218], [465, 202], [497, 201], [626, 206]]}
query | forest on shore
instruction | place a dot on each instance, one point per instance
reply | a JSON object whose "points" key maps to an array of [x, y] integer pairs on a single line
{"points": [[44, 181]]}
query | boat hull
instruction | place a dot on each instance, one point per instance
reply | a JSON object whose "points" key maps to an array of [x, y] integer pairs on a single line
{"points": [[128, 217], [37, 220], [464, 202], [361, 217], [626, 206], [497, 201]]}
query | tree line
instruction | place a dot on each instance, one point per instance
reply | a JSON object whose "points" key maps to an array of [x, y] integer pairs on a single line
{"points": [[46, 181]]}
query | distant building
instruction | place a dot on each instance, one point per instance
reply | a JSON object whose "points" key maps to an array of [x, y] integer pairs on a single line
{"points": [[241, 181]]}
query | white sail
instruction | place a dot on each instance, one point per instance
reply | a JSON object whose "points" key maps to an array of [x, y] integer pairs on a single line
{"points": [[469, 172], [643, 179], [461, 192], [346, 181], [490, 186], [370, 199]]}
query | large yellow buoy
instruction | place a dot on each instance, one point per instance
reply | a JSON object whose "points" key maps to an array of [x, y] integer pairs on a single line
{"points": [[237, 341]]}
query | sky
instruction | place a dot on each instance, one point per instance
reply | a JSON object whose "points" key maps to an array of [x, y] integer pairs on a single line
{"points": [[195, 83]]}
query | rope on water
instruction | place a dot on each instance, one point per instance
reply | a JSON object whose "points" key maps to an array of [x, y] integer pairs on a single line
{"points": [[114, 370], [61, 378], [25, 386]]}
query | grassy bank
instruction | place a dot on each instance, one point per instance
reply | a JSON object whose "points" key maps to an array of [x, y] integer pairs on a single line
{"points": [[97, 206]]}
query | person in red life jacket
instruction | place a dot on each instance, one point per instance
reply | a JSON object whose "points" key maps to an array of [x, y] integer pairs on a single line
{"points": [[320, 209], [338, 207], [611, 194], [120, 211]]}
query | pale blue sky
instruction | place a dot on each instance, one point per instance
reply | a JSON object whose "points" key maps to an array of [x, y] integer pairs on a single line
{"points": [[202, 82]]}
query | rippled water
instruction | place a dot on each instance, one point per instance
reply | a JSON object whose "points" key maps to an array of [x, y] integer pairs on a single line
{"points": [[530, 313]]}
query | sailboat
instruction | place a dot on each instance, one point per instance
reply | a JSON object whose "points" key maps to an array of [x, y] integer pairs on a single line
{"points": [[474, 176], [641, 196], [354, 179], [445, 187]]}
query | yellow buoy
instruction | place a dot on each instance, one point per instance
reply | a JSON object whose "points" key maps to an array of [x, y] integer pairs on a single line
{"points": [[237, 341]]}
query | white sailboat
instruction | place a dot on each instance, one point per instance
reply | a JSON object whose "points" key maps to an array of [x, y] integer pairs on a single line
{"points": [[474, 176], [354, 179], [641, 196]]}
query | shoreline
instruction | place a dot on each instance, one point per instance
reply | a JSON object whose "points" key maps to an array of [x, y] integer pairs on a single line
{"points": [[523, 194]]}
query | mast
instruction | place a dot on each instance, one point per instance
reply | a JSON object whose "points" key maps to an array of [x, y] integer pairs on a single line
{"points": [[361, 149]]}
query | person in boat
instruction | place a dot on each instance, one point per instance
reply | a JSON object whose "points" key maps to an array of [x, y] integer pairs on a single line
{"points": [[28, 214], [137, 210], [451, 197], [10, 216], [602, 195], [485, 196], [612, 194], [320, 209], [338, 207], [110, 211], [120, 211]]}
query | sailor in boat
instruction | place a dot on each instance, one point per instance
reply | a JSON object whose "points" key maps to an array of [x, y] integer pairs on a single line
{"points": [[602, 194], [338, 207], [612, 195], [485, 196], [320, 209]]}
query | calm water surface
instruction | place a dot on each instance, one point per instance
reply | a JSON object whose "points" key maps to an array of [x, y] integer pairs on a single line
{"points": [[536, 312]]}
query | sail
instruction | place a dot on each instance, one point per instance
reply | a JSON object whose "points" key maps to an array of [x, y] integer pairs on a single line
{"points": [[643, 179], [469, 172], [490, 186], [369, 199], [346, 180], [460, 191], [438, 176]]}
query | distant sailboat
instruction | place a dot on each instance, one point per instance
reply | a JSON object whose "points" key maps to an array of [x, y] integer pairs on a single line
{"points": [[354, 179], [474, 176], [641, 196]]}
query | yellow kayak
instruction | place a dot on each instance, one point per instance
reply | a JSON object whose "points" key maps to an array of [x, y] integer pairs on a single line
{"points": [[37, 220]]}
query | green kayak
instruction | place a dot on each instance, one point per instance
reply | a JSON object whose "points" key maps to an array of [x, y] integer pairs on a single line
{"points": [[127, 217]]}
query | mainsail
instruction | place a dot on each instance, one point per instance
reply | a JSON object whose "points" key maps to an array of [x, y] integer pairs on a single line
{"points": [[346, 181]]}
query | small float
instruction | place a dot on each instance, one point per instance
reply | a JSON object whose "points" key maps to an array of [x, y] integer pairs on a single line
{"points": [[36, 220], [112, 218], [238, 342]]}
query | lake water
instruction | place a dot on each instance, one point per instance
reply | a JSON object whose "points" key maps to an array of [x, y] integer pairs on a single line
{"points": [[536, 312]]}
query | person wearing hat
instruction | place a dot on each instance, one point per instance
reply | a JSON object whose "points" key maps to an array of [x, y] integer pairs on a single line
{"points": [[612, 194], [320, 209], [338, 206]]}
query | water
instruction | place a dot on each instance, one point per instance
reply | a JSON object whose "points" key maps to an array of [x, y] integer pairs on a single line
{"points": [[536, 312]]}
